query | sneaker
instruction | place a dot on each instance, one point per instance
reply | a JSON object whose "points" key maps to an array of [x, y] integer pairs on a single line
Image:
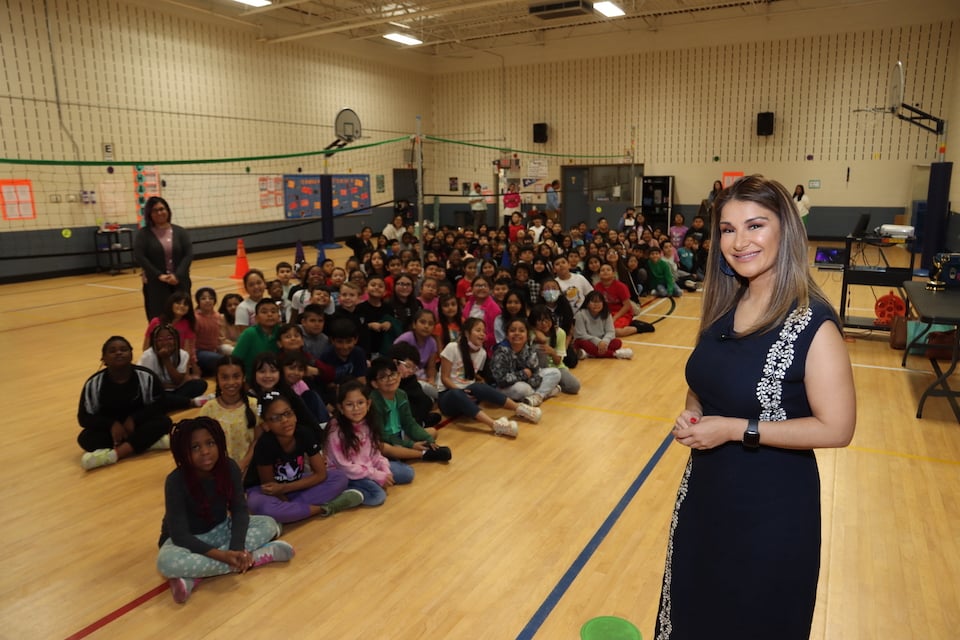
{"points": [[347, 500], [98, 458], [504, 427], [440, 454], [432, 419], [162, 443], [525, 411], [690, 285], [276, 551], [553, 393], [582, 355], [181, 588], [534, 400], [199, 401], [624, 353]]}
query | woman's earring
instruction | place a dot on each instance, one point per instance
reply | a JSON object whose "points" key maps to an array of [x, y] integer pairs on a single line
{"points": [[725, 268]]}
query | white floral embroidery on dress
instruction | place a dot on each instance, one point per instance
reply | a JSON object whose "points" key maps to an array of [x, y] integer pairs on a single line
{"points": [[666, 623], [779, 359]]}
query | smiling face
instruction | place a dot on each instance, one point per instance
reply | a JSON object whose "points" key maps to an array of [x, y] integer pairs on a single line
{"points": [[255, 286], [512, 304], [750, 239], [354, 406], [160, 215], [315, 277], [477, 335], [517, 335], [230, 381], [292, 340], [204, 451], [293, 373], [267, 377], [376, 289]]}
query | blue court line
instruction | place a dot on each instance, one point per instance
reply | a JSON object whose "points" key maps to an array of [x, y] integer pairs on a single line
{"points": [[551, 601]]}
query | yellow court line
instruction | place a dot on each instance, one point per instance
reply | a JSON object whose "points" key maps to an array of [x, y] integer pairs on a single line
{"points": [[616, 412], [908, 456]]}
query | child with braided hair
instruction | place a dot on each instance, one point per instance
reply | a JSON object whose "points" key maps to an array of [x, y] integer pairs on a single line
{"points": [[206, 528]]}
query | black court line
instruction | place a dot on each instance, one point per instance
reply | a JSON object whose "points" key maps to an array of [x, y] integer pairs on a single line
{"points": [[551, 601]]}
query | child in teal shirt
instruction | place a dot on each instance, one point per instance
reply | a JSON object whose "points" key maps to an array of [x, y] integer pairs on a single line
{"points": [[401, 438]]}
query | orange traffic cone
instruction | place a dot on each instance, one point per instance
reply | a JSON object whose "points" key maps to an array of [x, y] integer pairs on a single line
{"points": [[242, 265]]}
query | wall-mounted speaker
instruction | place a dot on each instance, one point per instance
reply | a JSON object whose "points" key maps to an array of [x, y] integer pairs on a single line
{"points": [[540, 132], [765, 123]]}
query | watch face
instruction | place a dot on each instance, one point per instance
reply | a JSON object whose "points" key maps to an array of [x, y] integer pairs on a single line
{"points": [[751, 439]]}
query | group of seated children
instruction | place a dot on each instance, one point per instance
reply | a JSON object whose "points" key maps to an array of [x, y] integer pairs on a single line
{"points": [[325, 391]]}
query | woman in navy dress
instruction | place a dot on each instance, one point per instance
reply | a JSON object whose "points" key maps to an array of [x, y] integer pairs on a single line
{"points": [[743, 555]]}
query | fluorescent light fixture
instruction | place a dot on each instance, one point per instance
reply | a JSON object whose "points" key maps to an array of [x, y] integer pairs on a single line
{"points": [[402, 39], [254, 3], [398, 24], [608, 9]]}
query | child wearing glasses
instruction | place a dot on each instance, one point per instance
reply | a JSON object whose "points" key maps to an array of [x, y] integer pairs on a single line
{"points": [[402, 438], [353, 444], [288, 492]]}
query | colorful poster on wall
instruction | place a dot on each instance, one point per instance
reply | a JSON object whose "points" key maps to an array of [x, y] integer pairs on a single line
{"points": [[301, 197], [270, 189], [16, 200], [729, 177], [350, 194]]}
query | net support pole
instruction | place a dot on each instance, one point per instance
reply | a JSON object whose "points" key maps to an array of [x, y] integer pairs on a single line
{"points": [[418, 149]]}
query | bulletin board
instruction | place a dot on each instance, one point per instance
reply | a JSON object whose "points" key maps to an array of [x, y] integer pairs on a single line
{"points": [[301, 197], [350, 193]]}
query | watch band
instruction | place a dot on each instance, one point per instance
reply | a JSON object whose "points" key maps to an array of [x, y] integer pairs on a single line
{"points": [[751, 437]]}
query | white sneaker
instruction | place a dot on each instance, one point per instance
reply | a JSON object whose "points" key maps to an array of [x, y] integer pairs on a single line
{"points": [[582, 355], [624, 353], [534, 400], [98, 458], [525, 411], [504, 427], [199, 401], [161, 444], [553, 393]]}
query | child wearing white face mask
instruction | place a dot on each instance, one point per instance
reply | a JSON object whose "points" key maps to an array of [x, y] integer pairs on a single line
{"points": [[561, 311]]}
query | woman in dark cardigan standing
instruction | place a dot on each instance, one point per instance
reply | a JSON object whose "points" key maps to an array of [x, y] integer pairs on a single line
{"points": [[164, 252]]}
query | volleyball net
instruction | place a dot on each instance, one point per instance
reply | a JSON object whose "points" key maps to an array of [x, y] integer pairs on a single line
{"points": [[244, 195]]}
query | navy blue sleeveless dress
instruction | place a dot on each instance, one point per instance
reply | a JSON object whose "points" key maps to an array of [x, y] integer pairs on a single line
{"points": [[743, 554]]}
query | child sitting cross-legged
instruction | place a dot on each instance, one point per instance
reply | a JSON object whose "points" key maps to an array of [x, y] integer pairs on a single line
{"points": [[402, 438], [461, 387], [288, 491], [207, 530]]}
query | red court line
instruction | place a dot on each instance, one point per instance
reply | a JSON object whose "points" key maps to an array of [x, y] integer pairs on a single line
{"points": [[153, 593], [113, 615]]}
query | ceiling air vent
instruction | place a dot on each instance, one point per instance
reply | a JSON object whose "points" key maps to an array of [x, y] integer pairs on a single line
{"points": [[555, 10]]}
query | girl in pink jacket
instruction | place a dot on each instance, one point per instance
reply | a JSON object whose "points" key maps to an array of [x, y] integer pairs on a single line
{"points": [[353, 445]]}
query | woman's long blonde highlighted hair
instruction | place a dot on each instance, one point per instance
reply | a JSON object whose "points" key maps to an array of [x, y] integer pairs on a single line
{"points": [[794, 285]]}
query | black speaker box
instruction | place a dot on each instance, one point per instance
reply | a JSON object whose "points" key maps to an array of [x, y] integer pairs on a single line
{"points": [[765, 123], [934, 238], [540, 132]]}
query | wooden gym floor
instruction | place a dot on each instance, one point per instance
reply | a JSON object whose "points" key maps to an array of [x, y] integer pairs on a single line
{"points": [[512, 539]]}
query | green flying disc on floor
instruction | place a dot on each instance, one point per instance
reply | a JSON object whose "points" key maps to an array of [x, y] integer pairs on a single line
{"points": [[609, 628]]}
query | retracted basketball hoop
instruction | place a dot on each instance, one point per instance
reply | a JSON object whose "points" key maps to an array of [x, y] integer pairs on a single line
{"points": [[896, 106], [347, 128]]}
